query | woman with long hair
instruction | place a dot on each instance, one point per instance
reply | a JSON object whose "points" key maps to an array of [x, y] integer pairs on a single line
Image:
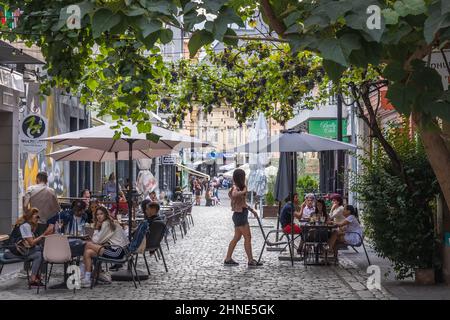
{"points": [[237, 194], [350, 231], [108, 241], [321, 210], [25, 243]]}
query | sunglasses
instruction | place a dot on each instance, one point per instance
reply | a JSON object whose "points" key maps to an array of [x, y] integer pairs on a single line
{"points": [[36, 217]]}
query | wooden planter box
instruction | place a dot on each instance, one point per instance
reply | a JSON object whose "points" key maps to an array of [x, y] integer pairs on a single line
{"points": [[270, 211], [425, 276]]}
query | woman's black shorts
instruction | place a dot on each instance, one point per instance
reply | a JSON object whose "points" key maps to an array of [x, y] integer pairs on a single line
{"points": [[240, 218]]}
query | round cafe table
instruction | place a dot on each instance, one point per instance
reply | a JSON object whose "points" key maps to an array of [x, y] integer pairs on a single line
{"points": [[317, 242]]}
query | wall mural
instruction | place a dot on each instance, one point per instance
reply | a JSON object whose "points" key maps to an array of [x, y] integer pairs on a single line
{"points": [[58, 117]]}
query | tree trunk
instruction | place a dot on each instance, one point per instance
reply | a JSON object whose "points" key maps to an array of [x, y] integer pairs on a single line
{"points": [[439, 156]]}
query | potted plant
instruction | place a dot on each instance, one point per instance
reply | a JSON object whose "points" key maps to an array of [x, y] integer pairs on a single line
{"points": [[270, 210]]}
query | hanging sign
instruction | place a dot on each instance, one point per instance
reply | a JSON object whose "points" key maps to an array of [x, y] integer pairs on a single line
{"points": [[168, 160], [33, 129]]}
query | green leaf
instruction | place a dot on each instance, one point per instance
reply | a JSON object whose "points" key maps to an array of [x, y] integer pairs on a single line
{"points": [[126, 131], [214, 5], [189, 6], [434, 22], [103, 20], [148, 26], [292, 18], [359, 22], [192, 18], [390, 16], [334, 9], [394, 71], [317, 20], [144, 127], [333, 69], [299, 43], [134, 11], [402, 97], [92, 84], [331, 50], [230, 41], [164, 7], [410, 7], [445, 7], [198, 39], [152, 137], [165, 35], [229, 15]]}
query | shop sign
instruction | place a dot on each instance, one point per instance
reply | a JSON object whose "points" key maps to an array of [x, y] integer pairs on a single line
{"points": [[33, 129], [168, 160], [327, 128]]}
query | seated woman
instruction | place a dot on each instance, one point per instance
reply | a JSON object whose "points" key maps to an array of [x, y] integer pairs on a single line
{"points": [[108, 241], [320, 215], [350, 234], [337, 209], [24, 231]]}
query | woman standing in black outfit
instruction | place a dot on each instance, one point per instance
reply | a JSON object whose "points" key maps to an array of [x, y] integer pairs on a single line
{"points": [[240, 209]]}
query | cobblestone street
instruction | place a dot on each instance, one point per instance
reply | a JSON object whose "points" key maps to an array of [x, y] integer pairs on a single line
{"points": [[196, 271]]}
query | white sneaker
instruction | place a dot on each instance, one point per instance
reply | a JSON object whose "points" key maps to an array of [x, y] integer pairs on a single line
{"points": [[85, 283], [104, 277]]}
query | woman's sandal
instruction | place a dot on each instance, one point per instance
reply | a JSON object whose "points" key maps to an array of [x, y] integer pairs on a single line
{"points": [[230, 262], [36, 283], [254, 263]]}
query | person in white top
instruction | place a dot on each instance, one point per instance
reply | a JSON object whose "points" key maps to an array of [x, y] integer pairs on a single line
{"points": [[350, 231], [108, 240], [337, 209], [307, 208]]}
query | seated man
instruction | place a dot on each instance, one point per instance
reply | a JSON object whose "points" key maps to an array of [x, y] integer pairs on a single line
{"points": [[71, 222], [151, 210], [286, 215]]}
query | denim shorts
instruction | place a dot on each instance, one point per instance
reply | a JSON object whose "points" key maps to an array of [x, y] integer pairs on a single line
{"points": [[240, 218]]}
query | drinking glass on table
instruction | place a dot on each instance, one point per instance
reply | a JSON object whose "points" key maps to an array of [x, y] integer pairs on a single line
{"points": [[322, 219]]}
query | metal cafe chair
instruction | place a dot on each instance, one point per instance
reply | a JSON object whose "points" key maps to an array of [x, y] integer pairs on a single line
{"points": [[344, 246]]}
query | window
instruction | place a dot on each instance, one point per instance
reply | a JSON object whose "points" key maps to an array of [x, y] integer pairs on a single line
{"points": [[230, 135]]}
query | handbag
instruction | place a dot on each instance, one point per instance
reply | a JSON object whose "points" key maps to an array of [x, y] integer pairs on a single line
{"points": [[22, 247]]}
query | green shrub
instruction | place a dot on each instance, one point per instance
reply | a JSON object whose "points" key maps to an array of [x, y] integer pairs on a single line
{"points": [[270, 199], [398, 222], [306, 184]]}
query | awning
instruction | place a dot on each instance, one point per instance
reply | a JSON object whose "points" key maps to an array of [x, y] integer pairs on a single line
{"points": [[194, 172]]}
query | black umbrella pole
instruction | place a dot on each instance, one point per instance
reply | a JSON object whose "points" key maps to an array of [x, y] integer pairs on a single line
{"points": [[293, 207], [130, 184], [116, 156]]}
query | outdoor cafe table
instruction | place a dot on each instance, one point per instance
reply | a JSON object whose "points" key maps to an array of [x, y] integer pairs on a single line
{"points": [[316, 230]]}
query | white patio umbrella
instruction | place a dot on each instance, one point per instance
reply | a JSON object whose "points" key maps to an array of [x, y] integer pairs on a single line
{"points": [[96, 155], [102, 138], [257, 180]]}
